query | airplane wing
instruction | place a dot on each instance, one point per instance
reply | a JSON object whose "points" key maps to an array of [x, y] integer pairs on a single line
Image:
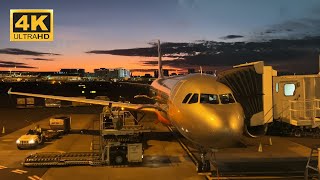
{"points": [[143, 107]]}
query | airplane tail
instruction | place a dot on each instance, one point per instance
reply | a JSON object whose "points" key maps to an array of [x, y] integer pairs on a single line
{"points": [[160, 72]]}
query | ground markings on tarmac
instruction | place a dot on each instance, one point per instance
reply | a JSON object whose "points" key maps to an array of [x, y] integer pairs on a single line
{"points": [[34, 177], [3, 167], [19, 171], [21, 174]]}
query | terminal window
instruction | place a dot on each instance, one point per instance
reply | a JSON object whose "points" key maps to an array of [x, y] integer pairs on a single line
{"points": [[289, 89]]}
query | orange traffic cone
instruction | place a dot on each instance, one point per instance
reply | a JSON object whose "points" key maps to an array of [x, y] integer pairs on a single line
{"points": [[3, 130], [260, 147], [91, 146]]}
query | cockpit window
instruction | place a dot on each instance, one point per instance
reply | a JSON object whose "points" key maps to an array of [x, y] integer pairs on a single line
{"points": [[185, 100], [226, 98], [194, 99], [209, 99]]}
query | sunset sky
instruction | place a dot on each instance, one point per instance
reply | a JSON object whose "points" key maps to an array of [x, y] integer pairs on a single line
{"points": [[284, 33]]}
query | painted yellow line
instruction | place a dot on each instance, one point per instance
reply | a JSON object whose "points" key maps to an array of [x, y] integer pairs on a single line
{"points": [[34, 177], [3, 167], [37, 177], [31, 178], [8, 140], [254, 177], [19, 171]]}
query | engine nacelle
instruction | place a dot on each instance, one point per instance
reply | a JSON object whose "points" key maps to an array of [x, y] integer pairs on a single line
{"points": [[255, 131]]}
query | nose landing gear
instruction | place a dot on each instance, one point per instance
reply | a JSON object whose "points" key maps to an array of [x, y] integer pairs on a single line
{"points": [[203, 165]]}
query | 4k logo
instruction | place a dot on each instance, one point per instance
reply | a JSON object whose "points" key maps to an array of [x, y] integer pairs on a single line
{"points": [[31, 25]]}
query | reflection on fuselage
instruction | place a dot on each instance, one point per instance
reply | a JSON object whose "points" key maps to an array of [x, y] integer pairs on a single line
{"points": [[202, 109]]}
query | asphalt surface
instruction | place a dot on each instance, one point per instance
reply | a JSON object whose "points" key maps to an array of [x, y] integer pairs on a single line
{"points": [[163, 154]]}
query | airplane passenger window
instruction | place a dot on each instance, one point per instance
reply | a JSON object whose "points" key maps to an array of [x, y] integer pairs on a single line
{"points": [[209, 99], [194, 99], [227, 99], [185, 100]]}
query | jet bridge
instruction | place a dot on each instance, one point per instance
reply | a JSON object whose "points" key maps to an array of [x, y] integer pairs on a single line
{"points": [[297, 100], [251, 84], [266, 97]]}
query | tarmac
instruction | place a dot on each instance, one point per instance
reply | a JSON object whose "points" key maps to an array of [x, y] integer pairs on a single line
{"points": [[163, 157]]}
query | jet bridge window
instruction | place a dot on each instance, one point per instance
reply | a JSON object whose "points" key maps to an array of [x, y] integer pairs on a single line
{"points": [[209, 99], [194, 99], [185, 100], [226, 98], [289, 89]]}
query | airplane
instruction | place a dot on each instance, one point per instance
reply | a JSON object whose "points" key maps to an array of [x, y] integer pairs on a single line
{"points": [[202, 109]]}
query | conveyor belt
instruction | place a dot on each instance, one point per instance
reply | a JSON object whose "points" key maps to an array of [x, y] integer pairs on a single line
{"points": [[62, 159]]}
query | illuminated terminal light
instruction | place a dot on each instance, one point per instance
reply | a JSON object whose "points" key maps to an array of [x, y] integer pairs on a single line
{"points": [[93, 92], [82, 92]]}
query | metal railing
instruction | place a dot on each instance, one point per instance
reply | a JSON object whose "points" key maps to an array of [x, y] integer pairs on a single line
{"points": [[304, 110]]}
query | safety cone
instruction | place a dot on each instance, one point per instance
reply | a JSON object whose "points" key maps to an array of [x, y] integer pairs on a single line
{"points": [[3, 130], [270, 141], [260, 147], [91, 146]]}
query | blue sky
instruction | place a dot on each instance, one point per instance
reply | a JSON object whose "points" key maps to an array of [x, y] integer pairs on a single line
{"points": [[85, 25]]}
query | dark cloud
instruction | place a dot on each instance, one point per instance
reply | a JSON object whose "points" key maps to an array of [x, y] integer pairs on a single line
{"points": [[15, 51], [10, 64], [231, 37], [40, 59], [295, 55], [298, 28]]}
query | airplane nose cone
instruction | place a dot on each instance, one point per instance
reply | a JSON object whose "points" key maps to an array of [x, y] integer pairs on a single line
{"points": [[225, 127]]}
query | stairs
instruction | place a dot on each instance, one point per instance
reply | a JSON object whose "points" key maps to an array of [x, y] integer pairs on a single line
{"points": [[95, 146], [312, 171]]}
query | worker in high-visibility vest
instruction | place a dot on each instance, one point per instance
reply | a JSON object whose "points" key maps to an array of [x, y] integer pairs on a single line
{"points": [[37, 128]]}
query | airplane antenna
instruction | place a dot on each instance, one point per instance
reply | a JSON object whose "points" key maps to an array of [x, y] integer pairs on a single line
{"points": [[201, 70]]}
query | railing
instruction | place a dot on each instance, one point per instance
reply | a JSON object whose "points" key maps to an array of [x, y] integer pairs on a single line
{"points": [[304, 110]]}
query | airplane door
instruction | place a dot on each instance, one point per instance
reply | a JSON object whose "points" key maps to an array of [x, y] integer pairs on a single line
{"points": [[284, 92]]}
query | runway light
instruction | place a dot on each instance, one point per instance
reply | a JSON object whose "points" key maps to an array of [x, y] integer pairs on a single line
{"points": [[82, 92]]}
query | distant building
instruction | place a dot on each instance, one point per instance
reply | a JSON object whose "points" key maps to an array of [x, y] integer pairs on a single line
{"points": [[147, 75], [80, 72], [101, 73], [191, 71], [113, 73], [123, 73], [155, 73], [165, 73]]}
